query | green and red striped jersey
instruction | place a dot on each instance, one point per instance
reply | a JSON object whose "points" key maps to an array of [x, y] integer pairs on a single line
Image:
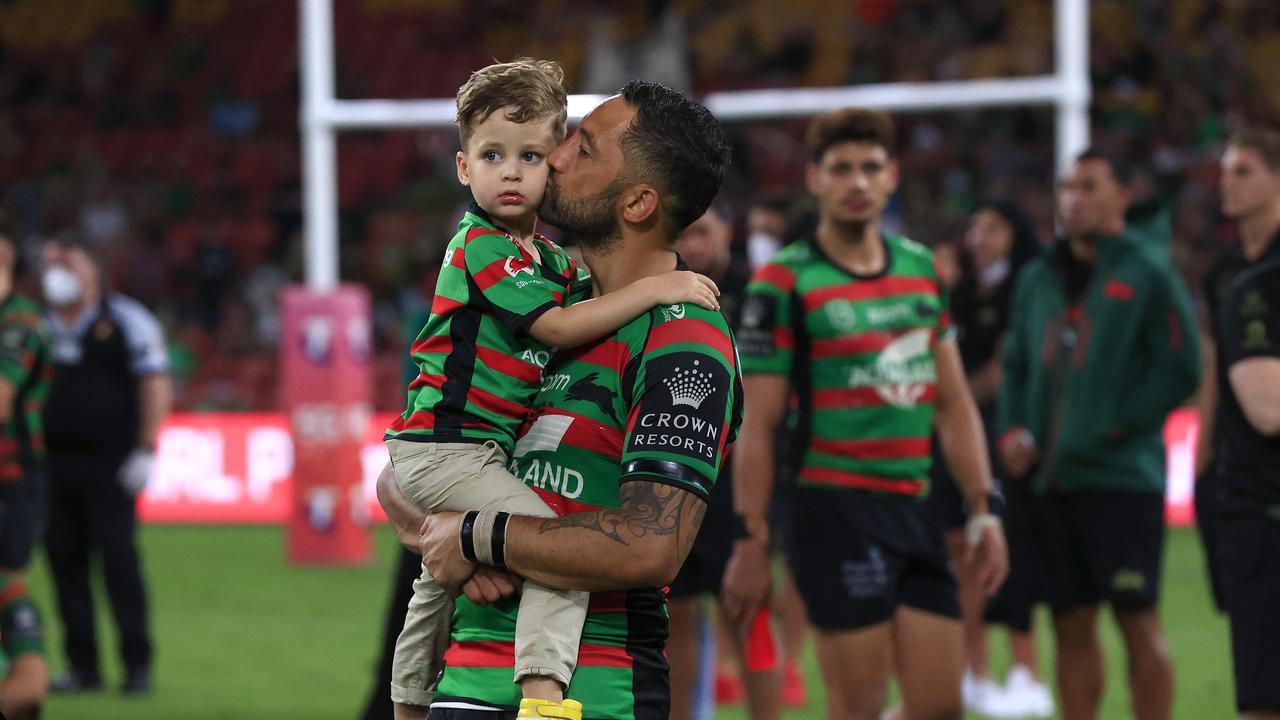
{"points": [[658, 401], [859, 353], [24, 362], [478, 366]]}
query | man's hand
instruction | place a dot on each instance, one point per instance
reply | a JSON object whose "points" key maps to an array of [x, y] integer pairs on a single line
{"points": [[489, 585], [1018, 451], [989, 557], [748, 581], [442, 552]]}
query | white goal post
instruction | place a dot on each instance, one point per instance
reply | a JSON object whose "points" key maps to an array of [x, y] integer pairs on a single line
{"points": [[323, 115]]}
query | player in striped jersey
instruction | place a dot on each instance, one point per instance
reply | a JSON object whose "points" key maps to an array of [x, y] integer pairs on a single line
{"points": [[854, 322], [627, 432], [499, 306]]}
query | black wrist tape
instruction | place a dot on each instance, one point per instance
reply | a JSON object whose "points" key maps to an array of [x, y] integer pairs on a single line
{"points": [[500, 540], [467, 535]]}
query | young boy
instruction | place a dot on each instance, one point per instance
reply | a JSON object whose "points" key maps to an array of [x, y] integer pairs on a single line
{"points": [[499, 308]]}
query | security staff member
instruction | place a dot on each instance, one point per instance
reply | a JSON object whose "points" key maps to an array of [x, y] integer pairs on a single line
{"points": [[110, 392]]}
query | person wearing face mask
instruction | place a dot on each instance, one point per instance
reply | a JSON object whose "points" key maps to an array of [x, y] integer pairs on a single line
{"points": [[766, 227], [1000, 239], [110, 392]]}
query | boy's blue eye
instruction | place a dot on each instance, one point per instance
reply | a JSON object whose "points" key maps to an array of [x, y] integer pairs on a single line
{"points": [[491, 156], [532, 157]]}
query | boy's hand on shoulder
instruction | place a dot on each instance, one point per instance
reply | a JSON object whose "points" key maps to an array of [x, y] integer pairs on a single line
{"points": [[683, 286]]}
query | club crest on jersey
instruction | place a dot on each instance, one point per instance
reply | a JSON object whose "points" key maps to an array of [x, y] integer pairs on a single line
{"points": [[516, 266], [842, 315], [674, 312]]}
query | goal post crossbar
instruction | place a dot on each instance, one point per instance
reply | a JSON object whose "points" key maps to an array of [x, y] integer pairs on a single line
{"points": [[322, 115]]}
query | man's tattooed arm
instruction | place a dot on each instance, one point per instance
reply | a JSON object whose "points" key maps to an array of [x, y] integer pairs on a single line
{"points": [[641, 543]]}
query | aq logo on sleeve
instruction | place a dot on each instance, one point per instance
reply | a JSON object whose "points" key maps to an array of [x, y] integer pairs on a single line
{"points": [[682, 410]]}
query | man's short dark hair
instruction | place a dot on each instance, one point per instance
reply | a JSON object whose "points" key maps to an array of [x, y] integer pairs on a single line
{"points": [[74, 240], [1120, 167], [676, 144], [850, 125], [1263, 140]]}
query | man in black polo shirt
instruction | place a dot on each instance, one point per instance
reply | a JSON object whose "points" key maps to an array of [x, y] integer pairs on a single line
{"points": [[1250, 183], [110, 392], [1248, 442]]}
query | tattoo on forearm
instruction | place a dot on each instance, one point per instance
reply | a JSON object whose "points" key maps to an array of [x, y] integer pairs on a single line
{"points": [[646, 508]]}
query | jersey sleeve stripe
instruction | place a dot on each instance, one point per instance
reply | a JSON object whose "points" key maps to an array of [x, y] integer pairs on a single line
{"points": [[525, 372], [691, 330], [480, 231], [435, 344], [502, 654], [878, 449], [441, 305], [491, 275], [834, 398], [498, 405], [424, 380], [779, 276], [459, 258], [874, 290], [841, 478], [608, 353]]}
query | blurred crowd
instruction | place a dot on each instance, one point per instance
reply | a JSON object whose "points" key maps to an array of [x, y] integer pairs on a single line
{"points": [[164, 132]]}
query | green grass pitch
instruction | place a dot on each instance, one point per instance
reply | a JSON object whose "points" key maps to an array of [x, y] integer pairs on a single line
{"points": [[241, 634]]}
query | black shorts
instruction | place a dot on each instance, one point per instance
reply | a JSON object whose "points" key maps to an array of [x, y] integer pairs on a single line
{"points": [[23, 510], [703, 570], [1208, 490], [1103, 546], [1249, 564], [1024, 587], [856, 557]]}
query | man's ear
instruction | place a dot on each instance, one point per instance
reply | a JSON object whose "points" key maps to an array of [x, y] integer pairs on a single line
{"points": [[464, 176], [640, 203]]}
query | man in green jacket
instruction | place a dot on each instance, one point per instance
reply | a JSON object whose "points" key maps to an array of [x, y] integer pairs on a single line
{"points": [[1101, 347]]}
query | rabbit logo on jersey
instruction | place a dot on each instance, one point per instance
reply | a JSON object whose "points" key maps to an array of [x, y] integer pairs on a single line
{"points": [[903, 371]]}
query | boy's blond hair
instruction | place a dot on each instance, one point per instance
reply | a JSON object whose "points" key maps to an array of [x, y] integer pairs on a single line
{"points": [[535, 88]]}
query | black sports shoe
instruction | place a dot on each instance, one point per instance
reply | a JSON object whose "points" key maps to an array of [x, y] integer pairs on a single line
{"points": [[137, 682], [74, 682]]}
